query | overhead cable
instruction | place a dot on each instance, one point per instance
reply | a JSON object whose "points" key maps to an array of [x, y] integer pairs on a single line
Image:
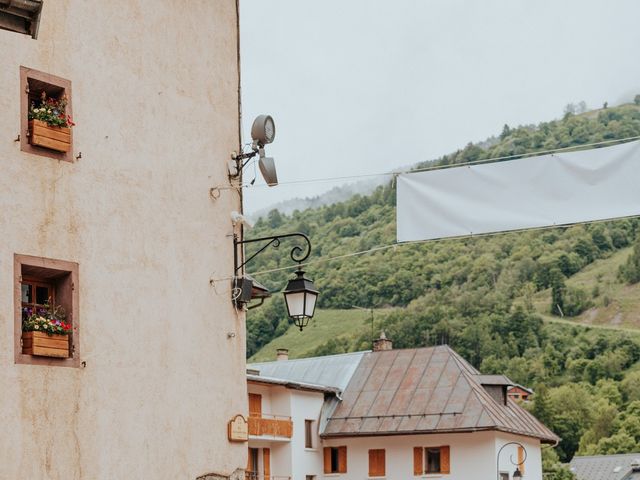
{"points": [[438, 167]]}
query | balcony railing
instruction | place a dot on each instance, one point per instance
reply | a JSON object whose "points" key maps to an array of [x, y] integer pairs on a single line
{"points": [[271, 426]]}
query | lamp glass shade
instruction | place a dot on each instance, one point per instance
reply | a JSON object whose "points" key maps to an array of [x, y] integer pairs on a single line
{"points": [[300, 296], [310, 303], [517, 475], [295, 303]]}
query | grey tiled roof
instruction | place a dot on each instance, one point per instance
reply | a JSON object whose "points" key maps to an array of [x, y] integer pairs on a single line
{"points": [[331, 371], [605, 467]]}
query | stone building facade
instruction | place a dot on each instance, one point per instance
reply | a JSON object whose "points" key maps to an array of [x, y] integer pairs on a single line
{"points": [[122, 231]]}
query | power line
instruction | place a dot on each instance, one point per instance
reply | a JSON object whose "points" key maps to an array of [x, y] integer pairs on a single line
{"points": [[436, 167], [417, 242]]}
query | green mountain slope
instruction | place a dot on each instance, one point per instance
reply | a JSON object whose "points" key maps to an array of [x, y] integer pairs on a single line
{"points": [[332, 327], [616, 304]]}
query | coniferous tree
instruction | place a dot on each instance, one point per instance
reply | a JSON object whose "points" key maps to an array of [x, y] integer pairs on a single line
{"points": [[630, 271]]}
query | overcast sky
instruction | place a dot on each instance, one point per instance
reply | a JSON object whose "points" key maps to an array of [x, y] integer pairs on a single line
{"points": [[366, 86]]}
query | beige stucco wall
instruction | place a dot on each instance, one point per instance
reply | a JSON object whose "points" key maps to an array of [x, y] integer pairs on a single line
{"points": [[155, 99]]}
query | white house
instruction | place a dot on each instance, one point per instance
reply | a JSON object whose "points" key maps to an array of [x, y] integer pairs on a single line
{"points": [[394, 414]]}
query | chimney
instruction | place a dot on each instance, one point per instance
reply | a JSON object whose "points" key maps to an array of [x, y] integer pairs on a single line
{"points": [[282, 354], [382, 343]]}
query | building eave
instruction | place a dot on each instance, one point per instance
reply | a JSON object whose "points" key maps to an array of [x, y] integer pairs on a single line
{"points": [[546, 440], [310, 387]]}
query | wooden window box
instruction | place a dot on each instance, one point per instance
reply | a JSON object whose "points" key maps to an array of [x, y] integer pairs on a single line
{"points": [[43, 345], [36, 280], [52, 142], [54, 138]]}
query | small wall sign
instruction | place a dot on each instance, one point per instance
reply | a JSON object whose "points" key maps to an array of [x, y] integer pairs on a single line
{"points": [[238, 429]]}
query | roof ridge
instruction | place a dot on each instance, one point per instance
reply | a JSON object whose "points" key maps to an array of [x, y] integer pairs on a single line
{"points": [[483, 397], [360, 352], [524, 421], [463, 363]]}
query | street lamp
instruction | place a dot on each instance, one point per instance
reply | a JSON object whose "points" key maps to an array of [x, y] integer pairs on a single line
{"points": [[300, 294], [517, 475]]}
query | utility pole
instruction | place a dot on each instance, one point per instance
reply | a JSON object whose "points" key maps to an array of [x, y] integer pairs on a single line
{"points": [[371, 312]]}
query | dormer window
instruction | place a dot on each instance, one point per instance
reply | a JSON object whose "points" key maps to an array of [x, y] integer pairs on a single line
{"points": [[21, 17], [496, 386]]}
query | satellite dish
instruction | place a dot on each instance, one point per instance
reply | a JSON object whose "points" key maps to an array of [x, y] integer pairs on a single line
{"points": [[268, 170]]}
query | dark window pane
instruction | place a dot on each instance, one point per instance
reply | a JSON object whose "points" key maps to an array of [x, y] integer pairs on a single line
{"points": [[42, 295], [433, 460], [334, 460], [27, 293], [308, 438]]}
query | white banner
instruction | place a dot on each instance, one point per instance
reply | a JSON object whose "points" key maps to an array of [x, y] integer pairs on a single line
{"points": [[556, 189]]}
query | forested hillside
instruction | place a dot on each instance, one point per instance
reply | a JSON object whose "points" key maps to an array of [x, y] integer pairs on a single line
{"points": [[488, 297]]}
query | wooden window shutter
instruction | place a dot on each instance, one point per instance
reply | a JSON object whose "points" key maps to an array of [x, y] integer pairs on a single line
{"points": [[445, 461], [342, 459], [250, 461], [266, 461], [255, 405], [521, 460], [327, 459], [377, 463], [373, 463], [418, 462]]}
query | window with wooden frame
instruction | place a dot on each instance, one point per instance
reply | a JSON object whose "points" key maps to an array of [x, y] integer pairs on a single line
{"points": [[335, 459], [37, 137], [40, 282], [431, 460], [255, 405], [252, 464], [377, 467], [21, 17], [308, 434]]}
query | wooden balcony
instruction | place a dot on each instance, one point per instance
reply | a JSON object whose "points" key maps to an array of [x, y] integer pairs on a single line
{"points": [[270, 426]]}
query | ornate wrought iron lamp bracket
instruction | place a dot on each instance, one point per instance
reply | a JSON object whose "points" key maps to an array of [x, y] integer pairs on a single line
{"points": [[517, 464], [298, 254]]}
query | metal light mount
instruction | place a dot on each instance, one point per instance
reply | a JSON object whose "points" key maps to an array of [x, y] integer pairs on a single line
{"points": [[300, 294], [517, 475], [263, 132]]}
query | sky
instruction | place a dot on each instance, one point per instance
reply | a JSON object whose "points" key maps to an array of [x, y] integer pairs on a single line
{"points": [[369, 86]]}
